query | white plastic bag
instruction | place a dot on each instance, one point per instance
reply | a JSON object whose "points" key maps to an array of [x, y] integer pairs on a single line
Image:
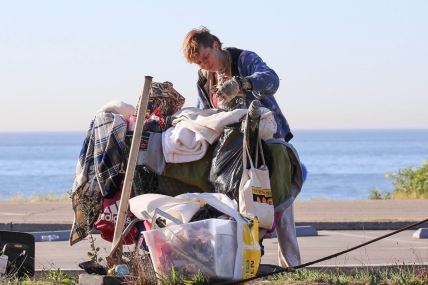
{"points": [[144, 207], [255, 193]]}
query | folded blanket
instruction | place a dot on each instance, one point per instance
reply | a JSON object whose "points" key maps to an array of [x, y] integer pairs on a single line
{"points": [[194, 130], [208, 123], [181, 144]]}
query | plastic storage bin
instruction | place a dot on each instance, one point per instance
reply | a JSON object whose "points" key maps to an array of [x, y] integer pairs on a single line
{"points": [[207, 246]]}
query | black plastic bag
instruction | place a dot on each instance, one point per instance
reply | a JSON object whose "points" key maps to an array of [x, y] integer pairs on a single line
{"points": [[226, 165]]}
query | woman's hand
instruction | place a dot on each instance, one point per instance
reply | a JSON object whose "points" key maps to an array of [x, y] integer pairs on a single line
{"points": [[228, 89]]}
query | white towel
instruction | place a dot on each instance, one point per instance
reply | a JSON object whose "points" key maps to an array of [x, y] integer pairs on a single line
{"points": [[180, 144], [209, 123], [194, 129]]}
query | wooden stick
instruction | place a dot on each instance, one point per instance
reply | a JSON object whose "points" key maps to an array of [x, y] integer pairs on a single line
{"points": [[130, 168]]}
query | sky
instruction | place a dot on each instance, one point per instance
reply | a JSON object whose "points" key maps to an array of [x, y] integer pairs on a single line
{"points": [[342, 64]]}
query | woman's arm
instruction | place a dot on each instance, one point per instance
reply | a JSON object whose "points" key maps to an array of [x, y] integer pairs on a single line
{"points": [[263, 79]]}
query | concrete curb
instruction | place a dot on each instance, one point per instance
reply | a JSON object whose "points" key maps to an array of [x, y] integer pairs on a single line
{"points": [[421, 233], [306, 231], [51, 236], [362, 226], [342, 225], [36, 227]]}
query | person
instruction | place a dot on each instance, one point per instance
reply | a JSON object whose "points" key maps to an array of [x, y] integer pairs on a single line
{"points": [[230, 72], [228, 77]]}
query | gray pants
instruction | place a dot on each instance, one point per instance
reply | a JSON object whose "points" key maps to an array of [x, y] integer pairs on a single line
{"points": [[288, 248]]}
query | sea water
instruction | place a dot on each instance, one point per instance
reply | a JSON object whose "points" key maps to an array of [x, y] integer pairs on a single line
{"points": [[346, 164], [38, 163], [342, 164]]}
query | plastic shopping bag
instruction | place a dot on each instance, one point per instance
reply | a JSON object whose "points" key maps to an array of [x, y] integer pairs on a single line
{"points": [[248, 253], [217, 248], [255, 193], [108, 218]]}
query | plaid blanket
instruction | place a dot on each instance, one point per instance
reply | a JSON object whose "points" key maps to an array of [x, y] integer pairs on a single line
{"points": [[98, 171], [104, 152]]}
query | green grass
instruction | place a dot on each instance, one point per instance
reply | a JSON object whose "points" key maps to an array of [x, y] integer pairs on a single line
{"points": [[52, 277], [396, 275], [39, 198], [402, 276]]}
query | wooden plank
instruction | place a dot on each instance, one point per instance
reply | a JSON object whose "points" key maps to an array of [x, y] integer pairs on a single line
{"points": [[130, 168]]}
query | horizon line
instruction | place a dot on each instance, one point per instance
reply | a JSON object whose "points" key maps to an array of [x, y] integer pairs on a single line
{"points": [[295, 129]]}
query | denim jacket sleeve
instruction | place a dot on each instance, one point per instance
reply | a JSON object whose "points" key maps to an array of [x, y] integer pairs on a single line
{"points": [[264, 80], [203, 99]]}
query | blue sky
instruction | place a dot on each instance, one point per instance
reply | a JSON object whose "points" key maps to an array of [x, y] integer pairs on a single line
{"points": [[342, 64]]}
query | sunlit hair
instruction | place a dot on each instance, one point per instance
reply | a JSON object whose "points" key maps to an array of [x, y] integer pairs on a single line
{"points": [[195, 39]]}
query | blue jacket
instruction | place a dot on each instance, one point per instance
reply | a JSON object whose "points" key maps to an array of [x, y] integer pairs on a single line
{"points": [[265, 83]]}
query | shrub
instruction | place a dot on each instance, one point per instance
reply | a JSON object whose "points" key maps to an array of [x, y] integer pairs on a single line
{"points": [[410, 183], [376, 194]]}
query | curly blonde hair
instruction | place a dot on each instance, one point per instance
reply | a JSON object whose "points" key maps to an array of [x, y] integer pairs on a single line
{"points": [[195, 39]]}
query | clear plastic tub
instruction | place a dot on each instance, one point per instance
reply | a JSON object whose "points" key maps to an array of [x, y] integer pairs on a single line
{"points": [[208, 247]]}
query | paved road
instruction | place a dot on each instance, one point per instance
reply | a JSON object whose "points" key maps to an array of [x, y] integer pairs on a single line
{"points": [[395, 250], [399, 249]]}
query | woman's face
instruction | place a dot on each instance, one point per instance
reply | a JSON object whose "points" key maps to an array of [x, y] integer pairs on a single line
{"points": [[209, 58]]}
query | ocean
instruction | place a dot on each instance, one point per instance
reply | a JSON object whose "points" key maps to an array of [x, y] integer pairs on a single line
{"points": [[342, 164]]}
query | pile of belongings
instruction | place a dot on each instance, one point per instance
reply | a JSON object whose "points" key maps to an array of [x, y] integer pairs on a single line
{"points": [[177, 151], [182, 150]]}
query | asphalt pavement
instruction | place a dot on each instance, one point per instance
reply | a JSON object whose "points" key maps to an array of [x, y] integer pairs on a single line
{"points": [[354, 222], [401, 249]]}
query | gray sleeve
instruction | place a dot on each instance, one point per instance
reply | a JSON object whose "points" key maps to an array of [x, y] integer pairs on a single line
{"points": [[153, 157]]}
